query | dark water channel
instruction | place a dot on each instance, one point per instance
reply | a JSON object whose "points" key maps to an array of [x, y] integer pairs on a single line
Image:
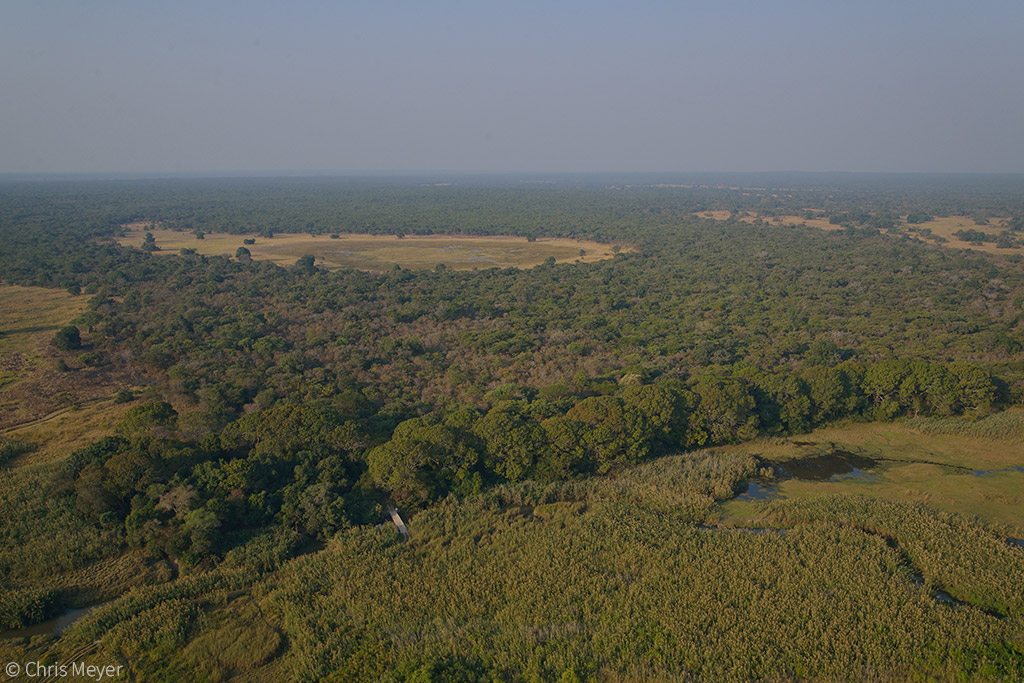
{"points": [[992, 473], [53, 627], [831, 466], [835, 465]]}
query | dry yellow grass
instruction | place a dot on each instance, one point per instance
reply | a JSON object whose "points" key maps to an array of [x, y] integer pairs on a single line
{"points": [[381, 252], [30, 386], [28, 314], [751, 217], [57, 435], [945, 226]]}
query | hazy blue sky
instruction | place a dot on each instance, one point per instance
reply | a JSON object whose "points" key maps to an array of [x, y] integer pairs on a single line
{"points": [[729, 85]]}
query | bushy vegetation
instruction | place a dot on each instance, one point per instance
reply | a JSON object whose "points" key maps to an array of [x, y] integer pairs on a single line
{"points": [[528, 421], [12, 448]]}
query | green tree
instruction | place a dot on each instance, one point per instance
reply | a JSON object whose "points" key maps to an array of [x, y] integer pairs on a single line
{"points": [[68, 338], [822, 352], [511, 443], [152, 419], [616, 433], [306, 264], [725, 412], [665, 407], [425, 459]]}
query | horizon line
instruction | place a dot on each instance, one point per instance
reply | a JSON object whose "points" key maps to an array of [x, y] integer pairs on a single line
{"points": [[364, 173]]}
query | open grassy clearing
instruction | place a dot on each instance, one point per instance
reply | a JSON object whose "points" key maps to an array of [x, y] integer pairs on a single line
{"points": [[945, 226], [751, 217], [971, 472], [381, 252], [31, 388], [52, 438], [941, 226], [30, 315]]}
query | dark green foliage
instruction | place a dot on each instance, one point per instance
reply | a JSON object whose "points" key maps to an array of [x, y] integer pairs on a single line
{"points": [[24, 607], [124, 395], [1006, 240], [973, 236], [155, 418], [822, 352], [427, 457], [68, 338], [510, 441], [12, 448], [723, 412]]}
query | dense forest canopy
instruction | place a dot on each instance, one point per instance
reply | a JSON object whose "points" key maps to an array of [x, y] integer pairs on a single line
{"points": [[297, 401]]}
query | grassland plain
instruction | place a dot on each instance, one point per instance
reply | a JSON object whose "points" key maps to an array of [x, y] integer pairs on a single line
{"points": [[945, 226], [381, 252], [31, 386], [54, 436], [30, 315]]}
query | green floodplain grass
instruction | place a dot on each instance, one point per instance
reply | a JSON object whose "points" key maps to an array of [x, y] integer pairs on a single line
{"points": [[381, 252], [920, 461], [619, 578]]}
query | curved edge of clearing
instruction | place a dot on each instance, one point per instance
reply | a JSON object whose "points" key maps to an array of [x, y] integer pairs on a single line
{"points": [[382, 252]]}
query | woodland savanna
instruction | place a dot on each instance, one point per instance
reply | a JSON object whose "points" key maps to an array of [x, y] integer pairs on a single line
{"points": [[205, 448]]}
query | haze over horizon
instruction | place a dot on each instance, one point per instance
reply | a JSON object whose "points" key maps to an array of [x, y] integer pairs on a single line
{"points": [[478, 87]]}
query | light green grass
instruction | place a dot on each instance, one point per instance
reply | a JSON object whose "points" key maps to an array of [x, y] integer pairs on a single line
{"points": [[912, 455]]}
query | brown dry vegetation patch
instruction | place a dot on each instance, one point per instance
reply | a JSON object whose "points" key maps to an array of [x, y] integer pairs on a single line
{"points": [[945, 226], [753, 217], [30, 385], [42, 392], [381, 252], [56, 435]]}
